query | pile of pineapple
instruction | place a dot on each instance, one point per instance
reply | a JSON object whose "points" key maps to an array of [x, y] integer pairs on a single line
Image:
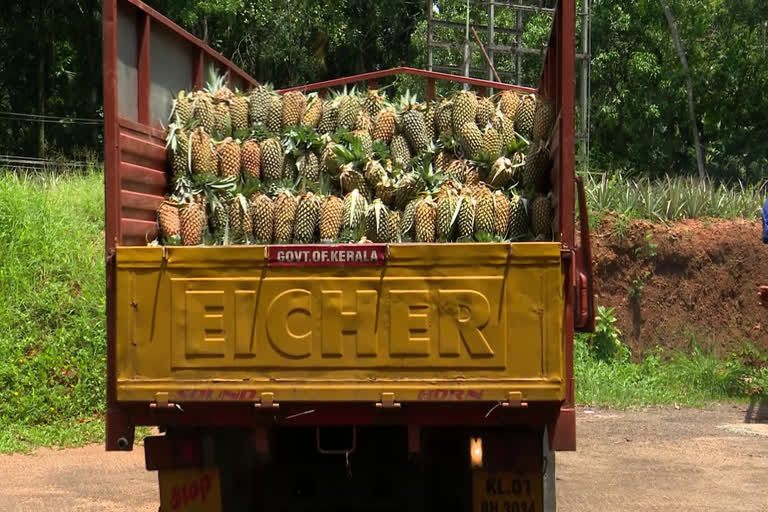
{"points": [[266, 168]]}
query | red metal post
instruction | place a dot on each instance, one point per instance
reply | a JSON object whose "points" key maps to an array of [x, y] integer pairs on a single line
{"points": [[199, 70], [430, 89], [372, 84], [143, 67]]}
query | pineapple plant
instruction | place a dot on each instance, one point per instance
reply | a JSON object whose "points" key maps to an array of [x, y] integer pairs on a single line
{"points": [[238, 111], [510, 100], [424, 222], [307, 219], [524, 116], [543, 119], [331, 218], [258, 104], [377, 222], [192, 221], [294, 104], [384, 126], [250, 159], [501, 210], [541, 217], [485, 111], [275, 114], [314, 111], [271, 160], [229, 161], [464, 109], [169, 220], [536, 168], [284, 216], [262, 218], [519, 220]]}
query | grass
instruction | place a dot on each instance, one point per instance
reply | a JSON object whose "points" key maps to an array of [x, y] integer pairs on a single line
{"points": [[671, 198], [52, 300]]}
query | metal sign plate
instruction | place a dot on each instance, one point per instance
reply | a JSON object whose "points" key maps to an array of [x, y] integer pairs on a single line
{"points": [[326, 255]]}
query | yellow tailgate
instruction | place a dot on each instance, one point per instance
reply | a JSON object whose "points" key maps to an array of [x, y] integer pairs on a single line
{"points": [[433, 323]]}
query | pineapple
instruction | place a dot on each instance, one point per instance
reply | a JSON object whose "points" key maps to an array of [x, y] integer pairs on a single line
{"points": [[275, 114], [294, 103], [408, 217], [455, 170], [355, 207], [202, 110], [284, 216], [393, 224], [501, 209], [168, 219], [271, 159], [519, 221], [484, 214], [377, 222], [328, 162], [386, 191], [465, 221], [373, 103], [262, 218], [352, 179], [178, 146], [308, 166], [349, 108], [192, 222], [413, 124], [424, 220], [485, 111], [222, 126], [250, 159], [443, 117], [307, 219], [541, 217], [429, 121], [364, 122], [258, 105], [510, 100], [219, 219], [506, 128], [536, 169], [240, 220], [491, 144], [330, 115], [401, 151], [331, 219], [366, 143], [543, 119], [290, 169], [464, 109], [384, 127], [182, 108], [502, 172], [238, 111], [408, 186], [374, 172], [228, 152], [200, 147], [447, 205], [471, 139], [524, 116], [314, 111], [471, 176]]}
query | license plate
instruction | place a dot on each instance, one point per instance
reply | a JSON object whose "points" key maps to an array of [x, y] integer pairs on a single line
{"points": [[197, 490], [501, 491]]}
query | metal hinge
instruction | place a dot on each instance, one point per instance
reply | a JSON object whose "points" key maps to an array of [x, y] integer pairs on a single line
{"points": [[161, 402], [514, 399], [267, 401], [388, 401]]}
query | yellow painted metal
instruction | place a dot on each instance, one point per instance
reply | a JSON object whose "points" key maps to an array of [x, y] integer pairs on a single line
{"points": [[504, 491], [435, 323], [193, 490]]}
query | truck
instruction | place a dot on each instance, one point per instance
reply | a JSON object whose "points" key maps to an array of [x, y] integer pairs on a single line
{"points": [[359, 377]]}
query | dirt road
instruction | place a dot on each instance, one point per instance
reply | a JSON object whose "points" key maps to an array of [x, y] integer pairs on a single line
{"points": [[660, 459]]}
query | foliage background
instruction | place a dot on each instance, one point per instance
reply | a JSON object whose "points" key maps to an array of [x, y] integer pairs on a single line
{"points": [[52, 65]]}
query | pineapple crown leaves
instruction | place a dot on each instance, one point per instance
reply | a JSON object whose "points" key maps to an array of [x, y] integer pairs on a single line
{"points": [[349, 150], [381, 150], [302, 139], [215, 81]]}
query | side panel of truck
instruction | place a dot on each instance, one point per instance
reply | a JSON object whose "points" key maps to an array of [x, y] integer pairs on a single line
{"points": [[206, 336]]}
